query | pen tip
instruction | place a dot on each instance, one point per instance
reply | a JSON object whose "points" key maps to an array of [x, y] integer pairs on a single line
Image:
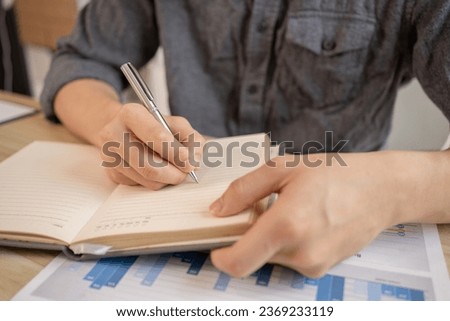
{"points": [[194, 177]]}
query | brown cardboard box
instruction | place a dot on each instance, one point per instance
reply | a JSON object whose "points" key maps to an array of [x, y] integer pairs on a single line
{"points": [[42, 22]]}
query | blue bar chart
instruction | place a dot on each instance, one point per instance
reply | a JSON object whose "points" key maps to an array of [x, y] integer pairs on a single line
{"points": [[397, 265], [155, 273], [109, 271]]}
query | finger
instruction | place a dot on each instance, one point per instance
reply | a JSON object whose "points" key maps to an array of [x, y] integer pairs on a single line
{"points": [[311, 260], [255, 248], [245, 191], [184, 131], [151, 132], [131, 175], [148, 166], [188, 136], [120, 178]]}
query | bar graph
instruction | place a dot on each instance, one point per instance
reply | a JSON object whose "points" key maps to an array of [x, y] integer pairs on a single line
{"points": [[398, 265], [194, 271], [109, 272]]}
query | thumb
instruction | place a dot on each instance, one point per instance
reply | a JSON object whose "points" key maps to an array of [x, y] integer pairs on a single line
{"points": [[246, 190]]}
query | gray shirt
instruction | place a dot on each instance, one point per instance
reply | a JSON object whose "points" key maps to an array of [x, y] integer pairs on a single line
{"points": [[296, 69]]}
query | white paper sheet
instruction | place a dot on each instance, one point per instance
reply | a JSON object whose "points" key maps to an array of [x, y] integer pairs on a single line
{"points": [[10, 111], [404, 263]]}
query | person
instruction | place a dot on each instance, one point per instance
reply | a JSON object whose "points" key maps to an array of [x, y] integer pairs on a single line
{"points": [[297, 69]]}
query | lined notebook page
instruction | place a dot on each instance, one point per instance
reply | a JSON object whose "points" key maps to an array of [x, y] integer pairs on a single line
{"points": [[51, 189], [183, 207]]}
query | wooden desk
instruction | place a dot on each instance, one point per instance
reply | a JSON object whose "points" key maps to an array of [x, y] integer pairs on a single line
{"points": [[19, 266]]}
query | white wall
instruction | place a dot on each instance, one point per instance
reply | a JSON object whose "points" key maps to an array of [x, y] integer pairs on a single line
{"points": [[418, 124]]}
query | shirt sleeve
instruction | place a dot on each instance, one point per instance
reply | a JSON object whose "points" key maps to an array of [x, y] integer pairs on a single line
{"points": [[107, 34], [431, 51]]}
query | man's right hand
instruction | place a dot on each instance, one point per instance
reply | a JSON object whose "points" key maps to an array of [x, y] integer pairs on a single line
{"points": [[135, 147]]}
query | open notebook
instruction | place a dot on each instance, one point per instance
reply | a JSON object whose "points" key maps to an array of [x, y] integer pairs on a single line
{"points": [[57, 195]]}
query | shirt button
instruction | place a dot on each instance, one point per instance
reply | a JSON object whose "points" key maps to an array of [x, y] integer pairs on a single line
{"points": [[328, 45], [262, 26], [252, 89]]}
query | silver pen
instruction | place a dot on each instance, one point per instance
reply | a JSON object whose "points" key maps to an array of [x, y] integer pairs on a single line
{"points": [[143, 92]]}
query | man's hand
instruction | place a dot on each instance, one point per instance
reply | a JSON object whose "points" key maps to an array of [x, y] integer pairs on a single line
{"points": [[323, 214], [137, 149]]}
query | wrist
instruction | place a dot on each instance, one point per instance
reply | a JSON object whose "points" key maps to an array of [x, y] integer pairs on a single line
{"points": [[421, 192], [85, 106]]}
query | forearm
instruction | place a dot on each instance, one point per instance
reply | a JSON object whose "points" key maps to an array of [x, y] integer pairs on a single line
{"points": [[85, 106], [424, 186]]}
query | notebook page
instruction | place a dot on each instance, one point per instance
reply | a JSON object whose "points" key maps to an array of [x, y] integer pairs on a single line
{"points": [[176, 208], [51, 189]]}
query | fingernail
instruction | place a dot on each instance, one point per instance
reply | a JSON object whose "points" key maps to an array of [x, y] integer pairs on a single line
{"points": [[216, 207]]}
